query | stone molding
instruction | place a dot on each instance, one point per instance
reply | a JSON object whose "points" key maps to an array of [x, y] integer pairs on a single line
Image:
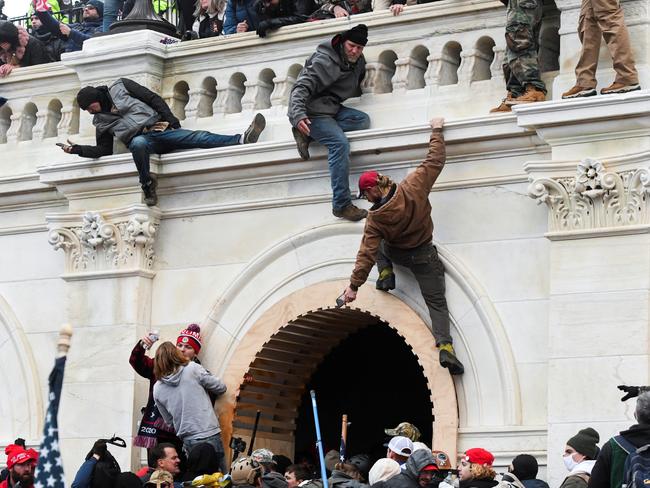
{"points": [[106, 244], [594, 199]]}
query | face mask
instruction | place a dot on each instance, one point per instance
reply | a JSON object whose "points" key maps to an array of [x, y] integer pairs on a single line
{"points": [[569, 462]]}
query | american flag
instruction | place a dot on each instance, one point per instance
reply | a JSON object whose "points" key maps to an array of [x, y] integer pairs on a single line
{"points": [[49, 471]]}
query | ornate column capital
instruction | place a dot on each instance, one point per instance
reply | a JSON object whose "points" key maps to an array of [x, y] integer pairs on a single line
{"points": [[595, 200], [107, 244]]}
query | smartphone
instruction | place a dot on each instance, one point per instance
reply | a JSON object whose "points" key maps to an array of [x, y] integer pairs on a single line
{"points": [[340, 301], [60, 144]]}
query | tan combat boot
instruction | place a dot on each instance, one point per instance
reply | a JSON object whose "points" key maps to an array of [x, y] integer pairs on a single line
{"points": [[531, 95]]}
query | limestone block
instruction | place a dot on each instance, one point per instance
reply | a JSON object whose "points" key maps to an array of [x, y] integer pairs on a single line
{"points": [[526, 323], [32, 262], [621, 261], [48, 315], [507, 273], [533, 383], [593, 324]]}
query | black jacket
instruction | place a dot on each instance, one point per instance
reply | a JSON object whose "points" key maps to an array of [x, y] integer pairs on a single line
{"points": [[287, 12], [639, 435], [478, 483], [535, 483], [104, 145], [408, 478], [54, 45], [339, 479], [35, 53]]}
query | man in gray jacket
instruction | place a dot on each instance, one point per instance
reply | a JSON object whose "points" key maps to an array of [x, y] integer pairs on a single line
{"points": [[144, 123], [331, 75]]}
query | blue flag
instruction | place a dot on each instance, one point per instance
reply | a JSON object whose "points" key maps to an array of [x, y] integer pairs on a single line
{"points": [[49, 471]]}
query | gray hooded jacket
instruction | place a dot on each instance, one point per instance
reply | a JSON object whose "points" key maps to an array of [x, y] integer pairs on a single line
{"points": [[324, 83], [183, 401], [408, 478]]}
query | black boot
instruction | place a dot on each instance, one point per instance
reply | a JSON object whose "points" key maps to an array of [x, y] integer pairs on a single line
{"points": [[386, 280], [449, 360], [149, 190]]}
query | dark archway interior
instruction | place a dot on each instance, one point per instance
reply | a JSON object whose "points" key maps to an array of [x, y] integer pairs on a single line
{"points": [[374, 378]]}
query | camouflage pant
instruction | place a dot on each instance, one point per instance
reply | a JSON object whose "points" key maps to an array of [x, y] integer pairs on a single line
{"points": [[524, 19]]}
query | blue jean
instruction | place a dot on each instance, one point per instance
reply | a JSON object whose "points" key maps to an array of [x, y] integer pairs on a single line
{"points": [[329, 131], [214, 441], [111, 8], [163, 142]]}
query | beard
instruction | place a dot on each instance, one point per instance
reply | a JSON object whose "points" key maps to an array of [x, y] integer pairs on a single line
{"points": [[26, 480]]}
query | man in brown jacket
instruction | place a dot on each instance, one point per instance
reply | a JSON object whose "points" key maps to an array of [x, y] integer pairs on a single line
{"points": [[399, 229]]}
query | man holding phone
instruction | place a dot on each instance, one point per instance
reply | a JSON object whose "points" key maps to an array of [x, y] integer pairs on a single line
{"points": [[399, 229], [145, 124]]}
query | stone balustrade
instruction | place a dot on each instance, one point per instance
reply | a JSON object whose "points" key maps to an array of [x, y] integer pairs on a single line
{"points": [[437, 55]]}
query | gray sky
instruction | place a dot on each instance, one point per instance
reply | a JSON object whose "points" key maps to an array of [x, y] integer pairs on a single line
{"points": [[15, 8]]}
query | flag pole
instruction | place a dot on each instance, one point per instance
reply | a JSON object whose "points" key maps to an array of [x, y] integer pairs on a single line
{"points": [[63, 344]]}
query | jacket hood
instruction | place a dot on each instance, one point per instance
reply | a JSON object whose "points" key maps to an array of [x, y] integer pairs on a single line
{"points": [[391, 212], [273, 480], [330, 51], [638, 434], [416, 461], [173, 379]]}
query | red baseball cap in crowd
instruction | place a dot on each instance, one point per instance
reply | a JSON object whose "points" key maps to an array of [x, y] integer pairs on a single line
{"points": [[366, 181], [478, 455]]}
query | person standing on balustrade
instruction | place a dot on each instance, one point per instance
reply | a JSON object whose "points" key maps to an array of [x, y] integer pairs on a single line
{"points": [[521, 68], [316, 111], [399, 230], [603, 19], [143, 121]]}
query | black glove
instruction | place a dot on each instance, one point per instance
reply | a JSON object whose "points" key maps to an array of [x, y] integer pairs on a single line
{"points": [[630, 391], [75, 149], [262, 28], [99, 449]]}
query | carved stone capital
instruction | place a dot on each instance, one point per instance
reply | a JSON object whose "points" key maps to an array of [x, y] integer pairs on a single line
{"points": [[594, 198], [106, 244]]}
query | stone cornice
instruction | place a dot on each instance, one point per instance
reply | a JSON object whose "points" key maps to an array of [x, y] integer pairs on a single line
{"points": [[278, 161], [561, 122]]}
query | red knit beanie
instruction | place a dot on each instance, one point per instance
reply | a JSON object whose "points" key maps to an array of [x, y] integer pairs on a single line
{"points": [[17, 455], [191, 336]]}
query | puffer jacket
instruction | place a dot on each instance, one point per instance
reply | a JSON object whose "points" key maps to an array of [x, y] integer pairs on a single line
{"points": [[408, 478]]}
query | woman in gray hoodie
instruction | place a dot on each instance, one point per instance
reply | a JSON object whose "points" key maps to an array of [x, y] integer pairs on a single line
{"points": [[182, 397]]}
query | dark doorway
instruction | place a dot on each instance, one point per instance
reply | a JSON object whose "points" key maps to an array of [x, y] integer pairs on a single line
{"points": [[374, 378]]}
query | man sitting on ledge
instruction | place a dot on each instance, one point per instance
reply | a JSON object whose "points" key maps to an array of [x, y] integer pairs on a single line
{"points": [[144, 122]]}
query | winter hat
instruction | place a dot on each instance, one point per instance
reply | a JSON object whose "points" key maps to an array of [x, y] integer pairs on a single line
{"points": [[88, 95], [383, 470], [358, 34], [525, 467], [585, 442], [99, 6], [192, 336], [478, 455], [262, 456], [18, 455], [9, 33], [363, 464]]}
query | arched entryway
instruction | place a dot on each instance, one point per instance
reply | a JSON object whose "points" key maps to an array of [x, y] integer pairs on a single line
{"points": [[285, 346]]}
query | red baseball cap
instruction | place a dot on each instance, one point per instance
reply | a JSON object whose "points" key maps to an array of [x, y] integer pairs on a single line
{"points": [[478, 455], [366, 181]]}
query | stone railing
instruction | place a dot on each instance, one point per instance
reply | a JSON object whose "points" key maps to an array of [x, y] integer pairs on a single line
{"points": [[442, 58]]}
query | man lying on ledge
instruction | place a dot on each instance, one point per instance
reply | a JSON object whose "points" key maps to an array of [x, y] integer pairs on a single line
{"points": [[144, 122]]}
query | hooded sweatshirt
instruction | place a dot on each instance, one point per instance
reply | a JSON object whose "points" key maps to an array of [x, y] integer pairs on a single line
{"points": [[183, 401], [404, 221], [325, 82], [408, 478], [274, 480]]}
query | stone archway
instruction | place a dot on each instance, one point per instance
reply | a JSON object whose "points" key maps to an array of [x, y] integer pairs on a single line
{"points": [[300, 312]]}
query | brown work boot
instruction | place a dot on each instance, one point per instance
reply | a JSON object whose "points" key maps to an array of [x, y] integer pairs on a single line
{"points": [[579, 92], [351, 213], [615, 88], [531, 95], [503, 107]]}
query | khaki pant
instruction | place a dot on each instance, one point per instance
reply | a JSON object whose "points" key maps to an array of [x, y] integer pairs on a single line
{"points": [[604, 19]]}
